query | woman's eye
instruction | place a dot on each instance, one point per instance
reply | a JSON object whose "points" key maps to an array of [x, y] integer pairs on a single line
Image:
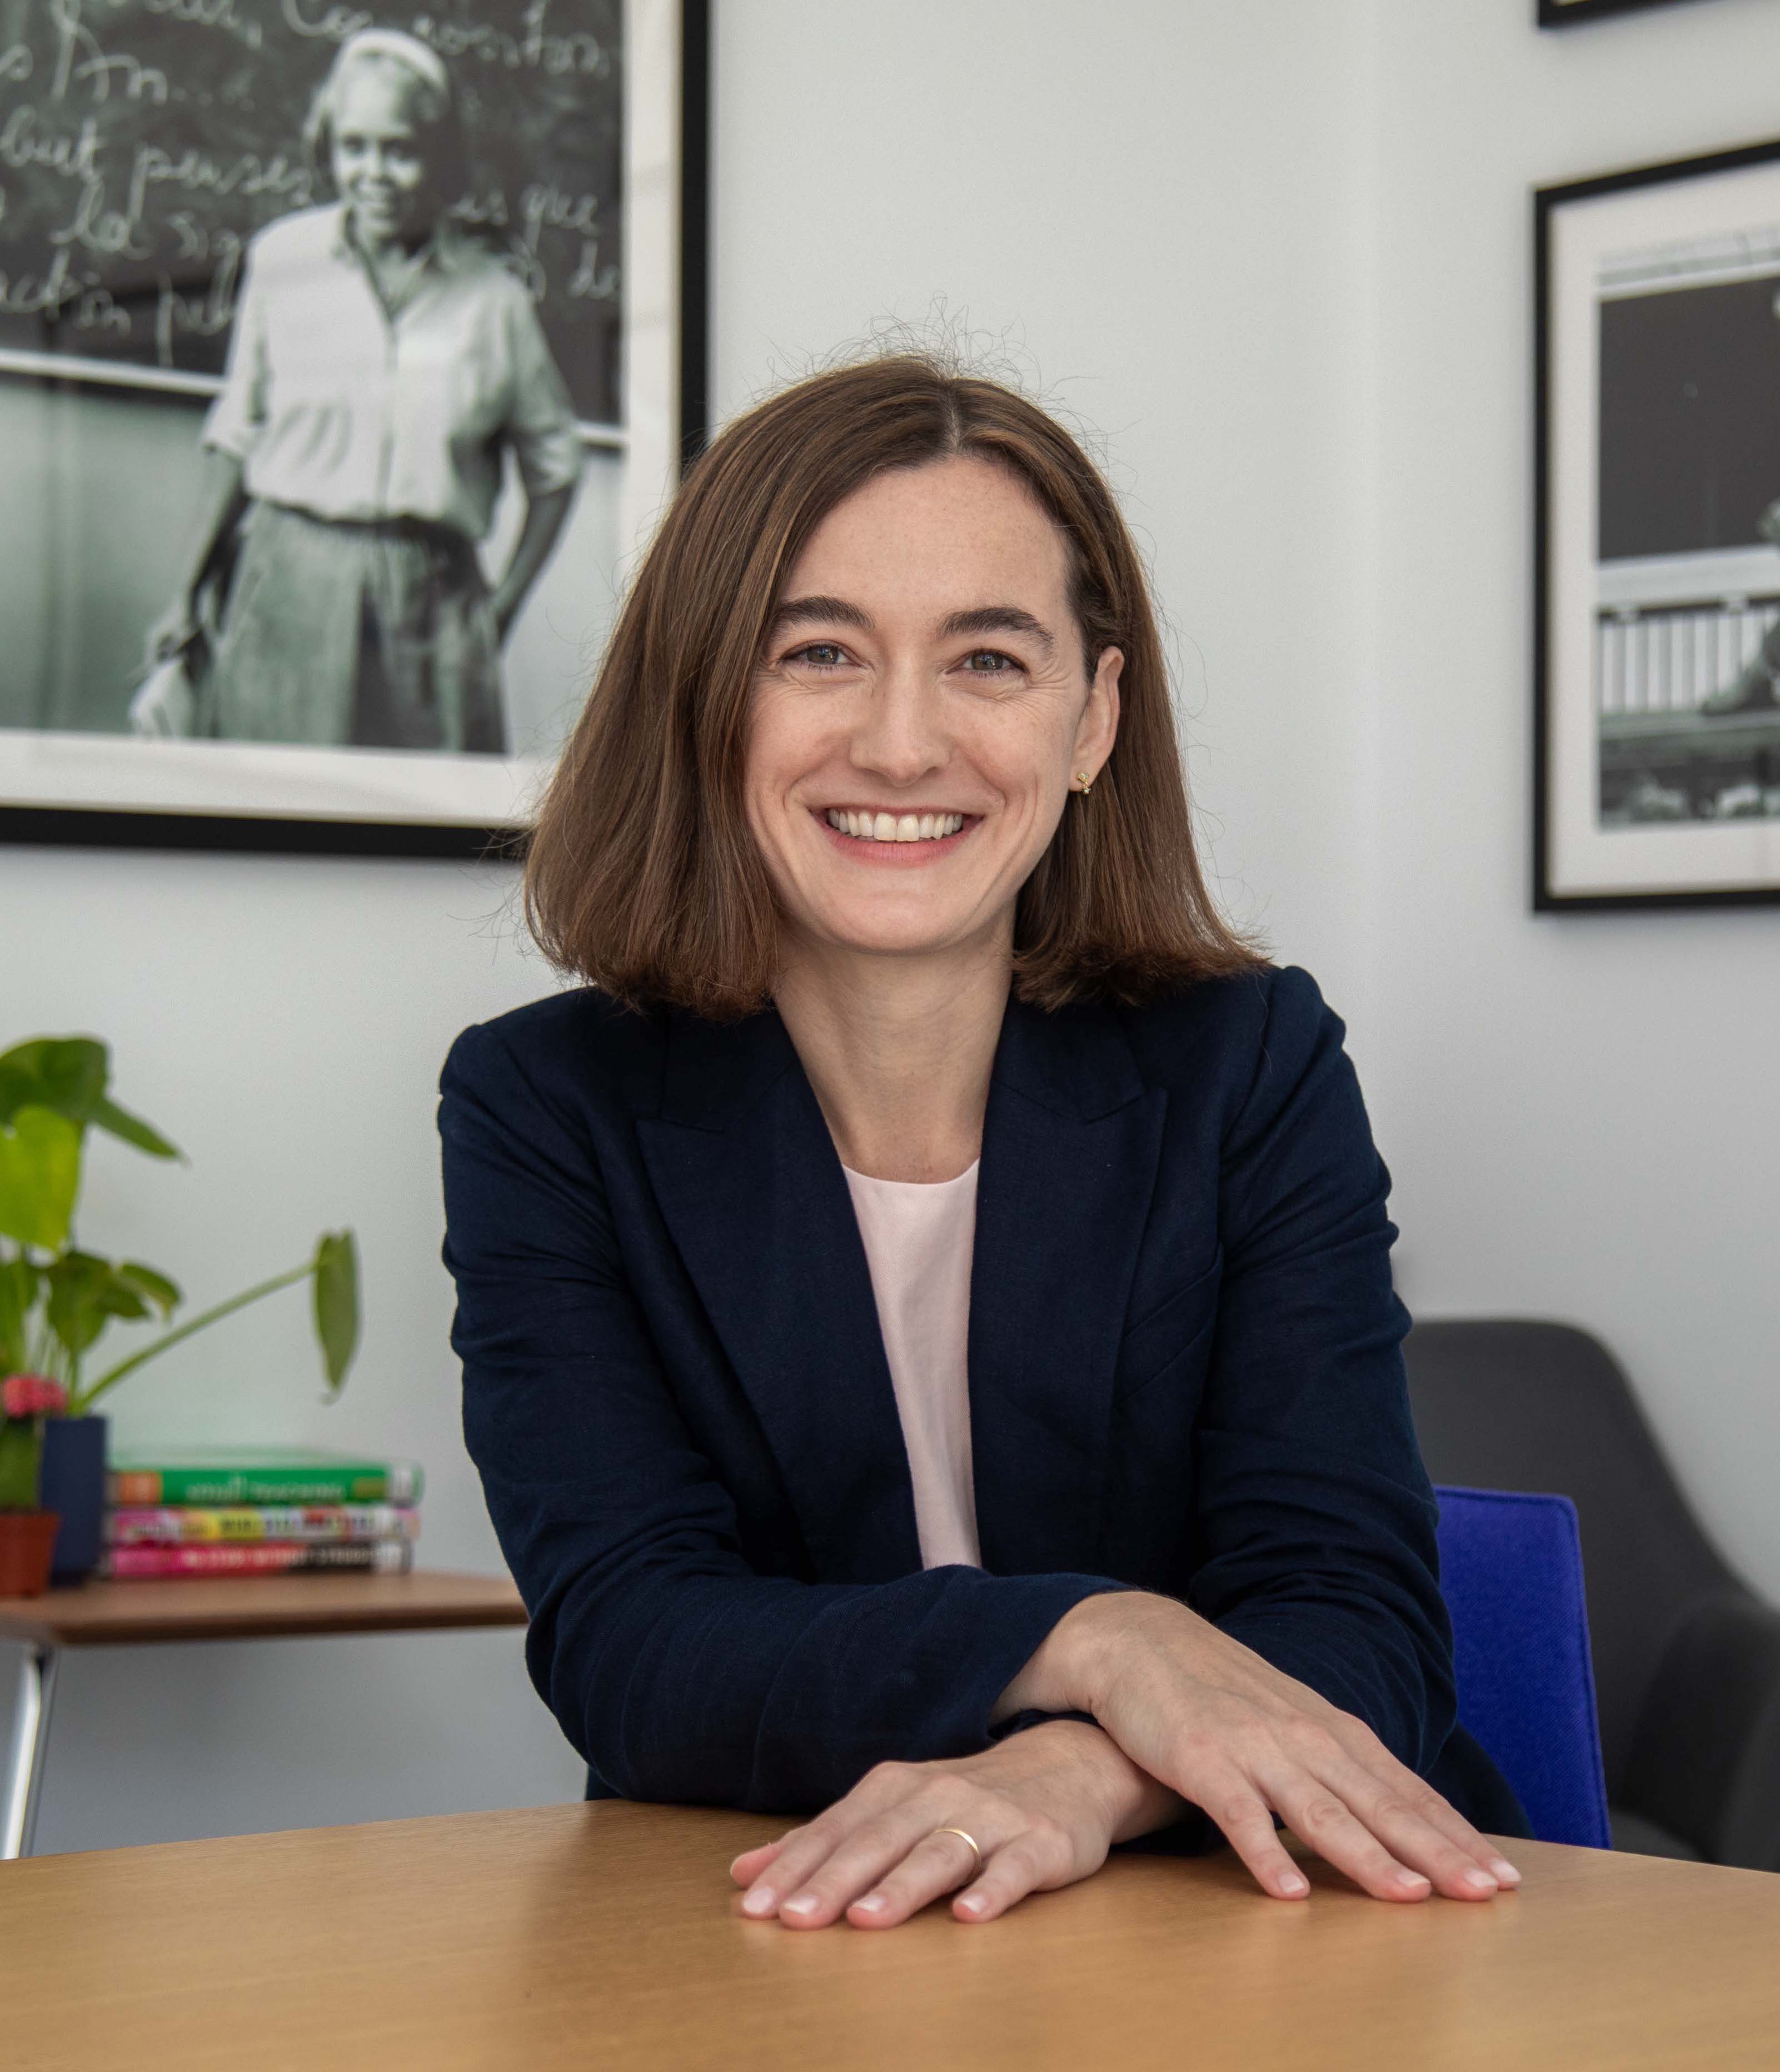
{"points": [[990, 662], [819, 654]]}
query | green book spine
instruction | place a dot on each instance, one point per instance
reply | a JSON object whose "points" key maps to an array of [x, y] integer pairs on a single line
{"points": [[348, 1481]]}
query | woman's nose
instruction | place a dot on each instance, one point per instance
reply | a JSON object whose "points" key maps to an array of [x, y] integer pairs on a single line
{"points": [[899, 735]]}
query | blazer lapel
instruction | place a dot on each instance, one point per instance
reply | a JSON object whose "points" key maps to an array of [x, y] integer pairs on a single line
{"points": [[752, 1191], [1070, 1145]]}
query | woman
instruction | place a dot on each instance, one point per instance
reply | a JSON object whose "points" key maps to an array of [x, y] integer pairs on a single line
{"points": [[380, 366], [926, 1322]]}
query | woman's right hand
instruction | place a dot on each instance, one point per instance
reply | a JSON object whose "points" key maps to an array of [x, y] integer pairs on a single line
{"points": [[173, 630], [1224, 1728]]}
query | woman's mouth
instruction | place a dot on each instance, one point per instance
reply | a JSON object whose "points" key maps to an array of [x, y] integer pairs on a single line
{"points": [[893, 826]]}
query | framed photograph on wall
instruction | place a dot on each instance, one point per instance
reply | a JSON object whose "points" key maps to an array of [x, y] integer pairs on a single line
{"points": [[347, 355], [1566, 14], [1657, 720]]}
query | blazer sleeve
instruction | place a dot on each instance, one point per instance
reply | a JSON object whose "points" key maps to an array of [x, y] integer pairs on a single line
{"points": [[1314, 1517], [679, 1672]]}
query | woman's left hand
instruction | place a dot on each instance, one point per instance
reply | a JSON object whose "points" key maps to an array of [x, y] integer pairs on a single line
{"points": [[1043, 1807]]}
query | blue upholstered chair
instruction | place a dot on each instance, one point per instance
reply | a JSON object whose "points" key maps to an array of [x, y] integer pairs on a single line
{"points": [[1510, 1569]]}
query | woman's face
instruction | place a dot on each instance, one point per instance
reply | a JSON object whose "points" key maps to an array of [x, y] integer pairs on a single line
{"points": [[920, 710], [378, 162]]}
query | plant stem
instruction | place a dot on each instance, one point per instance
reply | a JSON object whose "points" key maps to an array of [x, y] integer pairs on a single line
{"points": [[80, 1405]]}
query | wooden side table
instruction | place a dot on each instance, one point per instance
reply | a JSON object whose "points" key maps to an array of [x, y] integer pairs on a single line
{"points": [[231, 1608]]}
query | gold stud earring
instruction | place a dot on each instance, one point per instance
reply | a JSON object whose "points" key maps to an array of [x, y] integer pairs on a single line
{"points": [[1085, 781]]}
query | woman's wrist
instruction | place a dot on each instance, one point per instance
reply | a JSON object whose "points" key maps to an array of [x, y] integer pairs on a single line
{"points": [[1072, 1666], [1130, 1801]]}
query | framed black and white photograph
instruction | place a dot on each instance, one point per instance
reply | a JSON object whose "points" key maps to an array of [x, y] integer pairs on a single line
{"points": [[1657, 746], [1566, 14], [347, 355]]}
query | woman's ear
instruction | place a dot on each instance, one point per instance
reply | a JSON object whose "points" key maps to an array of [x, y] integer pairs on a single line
{"points": [[1099, 726]]}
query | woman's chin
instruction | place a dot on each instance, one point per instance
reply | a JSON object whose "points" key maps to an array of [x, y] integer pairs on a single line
{"points": [[901, 937]]}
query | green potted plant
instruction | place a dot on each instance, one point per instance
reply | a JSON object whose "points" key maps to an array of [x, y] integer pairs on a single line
{"points": [[58, 1300]]}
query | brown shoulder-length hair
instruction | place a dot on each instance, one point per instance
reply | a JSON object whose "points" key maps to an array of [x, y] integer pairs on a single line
{"points": [[643, 876]]}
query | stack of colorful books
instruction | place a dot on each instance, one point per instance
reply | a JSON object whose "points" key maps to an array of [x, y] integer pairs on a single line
{"points": [[265, 1510]]}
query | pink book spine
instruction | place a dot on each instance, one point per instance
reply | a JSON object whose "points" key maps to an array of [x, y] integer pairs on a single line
{"points": [[268, 1557]]}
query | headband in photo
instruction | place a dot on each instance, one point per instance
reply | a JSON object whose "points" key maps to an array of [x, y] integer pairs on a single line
{"points": [[404, 49]]}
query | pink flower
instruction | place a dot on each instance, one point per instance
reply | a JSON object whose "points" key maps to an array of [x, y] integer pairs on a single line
{"points": [[32, 1395]]}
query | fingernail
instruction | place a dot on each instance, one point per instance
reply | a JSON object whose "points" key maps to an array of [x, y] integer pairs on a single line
{"points": [[744, 1853], [805, 1903], [974, 1904], [1407, 1879], [761, 1900], [1293, 1886], [1505, 1872], [873, 1902], [1478, 1880]]}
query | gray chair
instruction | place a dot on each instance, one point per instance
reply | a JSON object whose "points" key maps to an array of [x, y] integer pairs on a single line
{"points": [[1687, 1657]]}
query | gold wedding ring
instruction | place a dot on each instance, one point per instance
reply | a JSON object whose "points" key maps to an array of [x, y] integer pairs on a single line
{"points": [[963, 1837]]}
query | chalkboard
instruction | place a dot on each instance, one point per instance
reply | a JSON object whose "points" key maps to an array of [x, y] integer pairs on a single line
{"points": [[142, 142]]}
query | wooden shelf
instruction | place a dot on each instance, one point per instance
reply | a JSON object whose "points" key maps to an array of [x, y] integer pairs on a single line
{"points": [[103, 1614]]}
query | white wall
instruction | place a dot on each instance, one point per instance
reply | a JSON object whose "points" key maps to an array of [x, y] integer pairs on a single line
{"points": [[1277, 254], [1581, 1110]]}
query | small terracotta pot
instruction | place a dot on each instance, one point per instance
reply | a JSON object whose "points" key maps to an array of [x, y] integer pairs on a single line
{"points": [[27, 1542]]}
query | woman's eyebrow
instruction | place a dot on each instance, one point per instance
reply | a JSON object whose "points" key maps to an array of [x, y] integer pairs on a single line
{"points": [[824, 610], [997, 619]]}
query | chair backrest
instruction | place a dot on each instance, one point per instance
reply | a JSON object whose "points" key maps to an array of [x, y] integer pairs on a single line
{"points": [[1511, 1570], [1513, 1403]]}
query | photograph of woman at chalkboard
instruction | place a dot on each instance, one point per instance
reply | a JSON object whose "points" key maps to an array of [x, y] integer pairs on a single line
{"points": [[382, 367]]}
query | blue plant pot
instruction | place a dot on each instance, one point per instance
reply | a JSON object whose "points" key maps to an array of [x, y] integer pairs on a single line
{"points": [[74, 1487]]}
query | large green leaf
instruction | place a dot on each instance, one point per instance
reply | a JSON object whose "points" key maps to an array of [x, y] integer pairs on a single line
{"points": [[17, 1292], [85, 1293], [108, 1116], [337, 1304], [162, 1293], [68, 1075], [39, 1177]]}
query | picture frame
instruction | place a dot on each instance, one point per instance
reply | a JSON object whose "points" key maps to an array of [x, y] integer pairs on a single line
{"points": [[1656, 721], [142, 150], [1568, 13]]}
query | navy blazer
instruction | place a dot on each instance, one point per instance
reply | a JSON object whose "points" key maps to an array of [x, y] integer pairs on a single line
{"points": [[1185, 1375]]}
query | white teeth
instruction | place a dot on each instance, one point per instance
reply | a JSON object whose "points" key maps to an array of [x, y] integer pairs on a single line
{"points": [[893, 826]]}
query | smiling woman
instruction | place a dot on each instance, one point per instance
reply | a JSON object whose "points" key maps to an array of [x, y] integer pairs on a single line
{"points": [[925, 1303]]}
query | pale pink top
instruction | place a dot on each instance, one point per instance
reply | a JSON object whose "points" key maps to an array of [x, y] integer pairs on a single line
{"points": [[919, 1240]]}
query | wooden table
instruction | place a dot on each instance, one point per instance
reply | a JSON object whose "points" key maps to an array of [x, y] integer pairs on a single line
{"points": [[231, 1608], [609, 1934]]}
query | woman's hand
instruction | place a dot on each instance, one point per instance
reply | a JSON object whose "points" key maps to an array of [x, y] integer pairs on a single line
{"points": [[173, 630], [1207, 1716], [1044, 1806]]}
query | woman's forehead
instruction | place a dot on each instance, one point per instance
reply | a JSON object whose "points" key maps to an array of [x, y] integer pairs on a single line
{"points": [[946, 523], [379, 91]]}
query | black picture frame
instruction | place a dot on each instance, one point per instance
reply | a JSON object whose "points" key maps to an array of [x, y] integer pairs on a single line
{"points": [[112, 827], [1695, 881], [1569, 14]]}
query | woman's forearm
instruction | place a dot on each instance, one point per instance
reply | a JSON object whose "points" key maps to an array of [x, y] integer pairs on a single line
{"points": [[544, 517], [222, 498]]}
